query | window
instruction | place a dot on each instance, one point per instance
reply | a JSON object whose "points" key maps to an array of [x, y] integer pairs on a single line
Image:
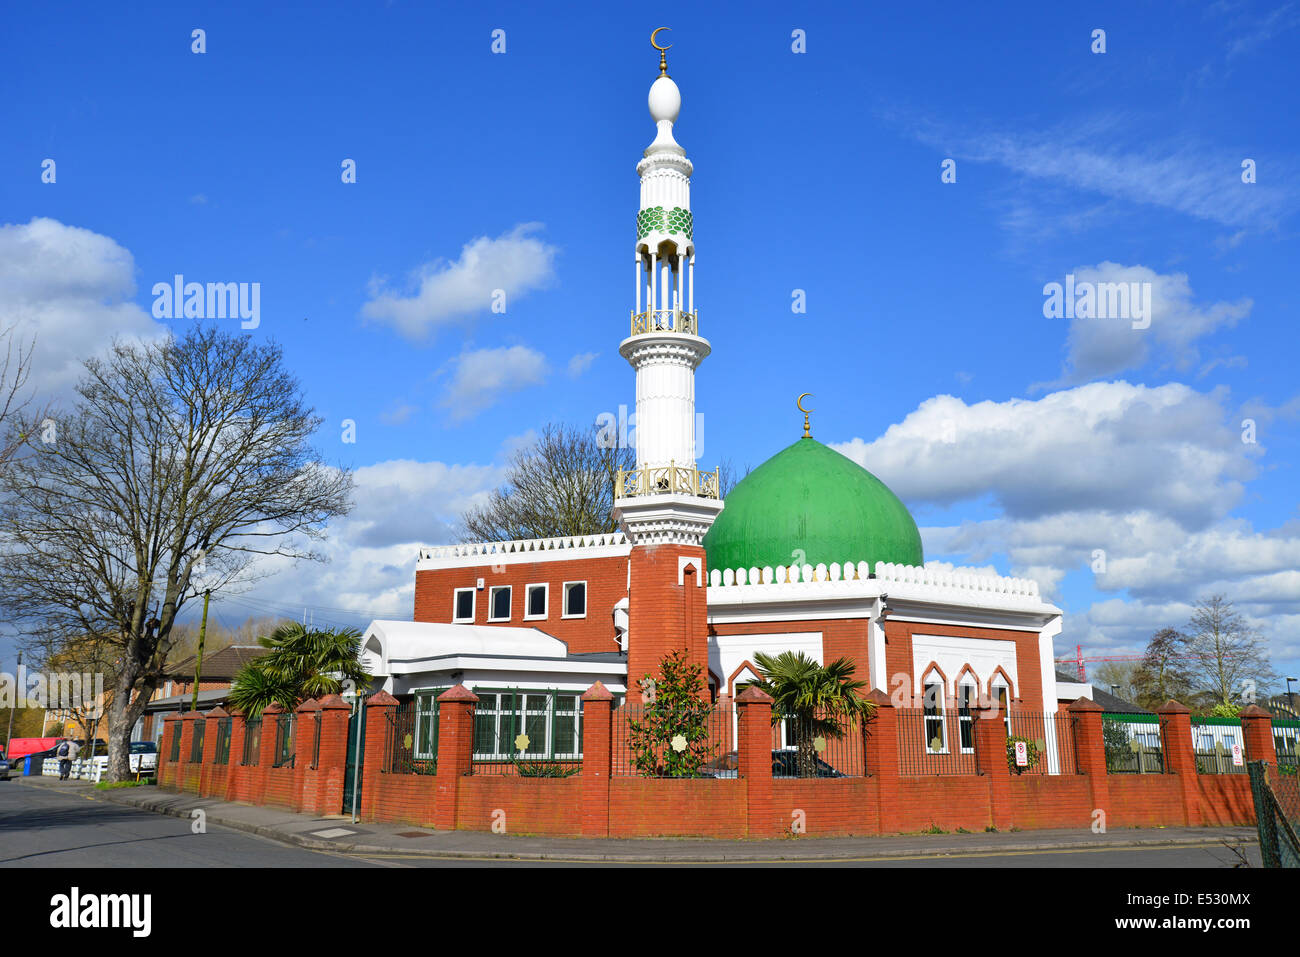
{"points": [[935, 742], [552, 720], [1004, 702], [499, 603], [463, 607], [966, 695], [575, 599], [535, 598], [426, 724]]}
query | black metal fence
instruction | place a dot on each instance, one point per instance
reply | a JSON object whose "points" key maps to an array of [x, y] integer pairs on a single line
{"points": [[529, 733], [315, 741], [175, 754], [934, 742], [285, 751], [252, 743], [412, 740], [1050, 743], [196, 740], [1277, 814], [696, 740], [819, 747], [1132, 744], [221, 753]]}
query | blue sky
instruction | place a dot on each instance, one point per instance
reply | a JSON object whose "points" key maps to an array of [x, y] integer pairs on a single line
{"points": [[1021, 443]]}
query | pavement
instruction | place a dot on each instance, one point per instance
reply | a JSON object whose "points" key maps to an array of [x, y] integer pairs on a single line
{"points": [[338, 834]]}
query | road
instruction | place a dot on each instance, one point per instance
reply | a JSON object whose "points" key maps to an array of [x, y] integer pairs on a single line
{"points": [[49, 827]]}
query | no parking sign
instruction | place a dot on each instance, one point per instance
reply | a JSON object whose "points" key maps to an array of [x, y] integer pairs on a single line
{"points": [[1022, 754]]}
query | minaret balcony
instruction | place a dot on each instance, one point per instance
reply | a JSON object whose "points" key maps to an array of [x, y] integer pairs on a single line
{"points": [[667, 480], [665, 320]]}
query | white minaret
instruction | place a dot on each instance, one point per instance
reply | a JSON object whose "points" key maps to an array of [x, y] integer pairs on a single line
{"points": [[665, 346]]}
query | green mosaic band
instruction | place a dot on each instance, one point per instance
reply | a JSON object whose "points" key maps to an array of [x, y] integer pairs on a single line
{"points": [[670, 221]]}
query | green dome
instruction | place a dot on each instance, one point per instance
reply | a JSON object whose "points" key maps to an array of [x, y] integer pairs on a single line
{"points": [[810, 497]]}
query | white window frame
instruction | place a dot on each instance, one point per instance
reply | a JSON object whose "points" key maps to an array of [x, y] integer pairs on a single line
{"points": [[940, 703], [564, 599], [492, 593], [546, 601], [551, 712], [455, 601], [1000, 684], [967, 720]]}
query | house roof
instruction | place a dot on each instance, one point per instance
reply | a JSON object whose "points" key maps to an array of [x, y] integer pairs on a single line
{"points": [[207, 700], [392, 647], [217, 666], [1108, 702]]}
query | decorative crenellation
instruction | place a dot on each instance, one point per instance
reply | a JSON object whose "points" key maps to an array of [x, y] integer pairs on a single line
{"points": [[886, 572], [522, 545]]}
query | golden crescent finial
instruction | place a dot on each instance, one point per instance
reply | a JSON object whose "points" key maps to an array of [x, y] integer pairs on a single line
{"points": [[799, 405], [663, 55]]}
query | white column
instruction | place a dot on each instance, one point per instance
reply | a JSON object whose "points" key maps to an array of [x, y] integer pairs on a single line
{"points": [[690, 307], [654, 282], [636, 276], [665, 302]]}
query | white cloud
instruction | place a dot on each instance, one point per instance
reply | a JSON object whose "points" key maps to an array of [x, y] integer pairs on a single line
{"points": [[71, 289], [443, 292], [1104, 347], [1108, 446], [581, 363], [482, 376]]}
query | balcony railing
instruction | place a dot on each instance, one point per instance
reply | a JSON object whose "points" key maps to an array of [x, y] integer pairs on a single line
{"points": [[666, 480], [665, 320]]}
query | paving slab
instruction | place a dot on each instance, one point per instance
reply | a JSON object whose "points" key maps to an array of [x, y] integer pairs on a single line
{"points": [[338, 833]]}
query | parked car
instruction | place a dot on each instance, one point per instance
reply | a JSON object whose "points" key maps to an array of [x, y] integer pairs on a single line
{"points": [[144, 756], [785, 764], [4, 769]]}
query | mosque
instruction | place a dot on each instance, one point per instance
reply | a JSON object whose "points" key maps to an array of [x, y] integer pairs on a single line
{"points": [[810, 552]]}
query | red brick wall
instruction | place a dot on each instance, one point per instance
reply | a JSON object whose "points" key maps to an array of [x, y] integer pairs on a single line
{"points": [[1028, 694], [841, 637], [606, 580]]}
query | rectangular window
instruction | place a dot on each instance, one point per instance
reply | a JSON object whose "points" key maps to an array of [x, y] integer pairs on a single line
{"points": [[426, 724], [935, 741], [535, 596], [575, 599], [551, 721], [463, 608], [499, 603], [965, 719]]}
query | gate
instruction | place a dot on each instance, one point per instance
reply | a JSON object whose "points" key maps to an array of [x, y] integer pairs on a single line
{"points": [[356, 755], [1277, 814]]}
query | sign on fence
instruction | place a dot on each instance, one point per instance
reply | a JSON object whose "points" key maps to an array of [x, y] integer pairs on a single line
{"points": [[1236, 756], [1022, 754]]}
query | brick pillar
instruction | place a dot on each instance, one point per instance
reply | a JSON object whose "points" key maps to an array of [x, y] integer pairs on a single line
{"points": [[455, 751], [379, 709], [209, 771], [234, 773], [166, 766], [1090, 755], [304, 743], [184, 767], [754, 756], [270, 725], [991, 762], [665, 615], [597, 741], [1257, 732], [1179, 755], [331, 766], [881, 747]]}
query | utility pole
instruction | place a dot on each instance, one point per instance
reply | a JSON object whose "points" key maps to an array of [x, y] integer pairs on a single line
{"points": [[198, 659], [18, 690]]}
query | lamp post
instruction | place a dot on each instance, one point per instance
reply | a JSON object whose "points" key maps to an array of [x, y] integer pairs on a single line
{"points": [[1290, 697], [18, 689]]}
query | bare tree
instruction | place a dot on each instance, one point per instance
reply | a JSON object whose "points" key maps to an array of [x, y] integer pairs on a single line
{"points": [[15, 371], [562, 485], [1117, 677], [180, 460], [1227, 657]]}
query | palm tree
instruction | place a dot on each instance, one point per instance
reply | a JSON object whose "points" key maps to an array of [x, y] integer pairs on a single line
{"points": [[821, 701], [301, 664]]}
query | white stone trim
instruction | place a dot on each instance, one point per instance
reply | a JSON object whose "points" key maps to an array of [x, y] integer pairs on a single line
{"points": [[571, 548], [687, 561]]}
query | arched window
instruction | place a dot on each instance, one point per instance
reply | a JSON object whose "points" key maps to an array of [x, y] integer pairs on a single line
{"points": [[932, 702], [967, 702]]}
